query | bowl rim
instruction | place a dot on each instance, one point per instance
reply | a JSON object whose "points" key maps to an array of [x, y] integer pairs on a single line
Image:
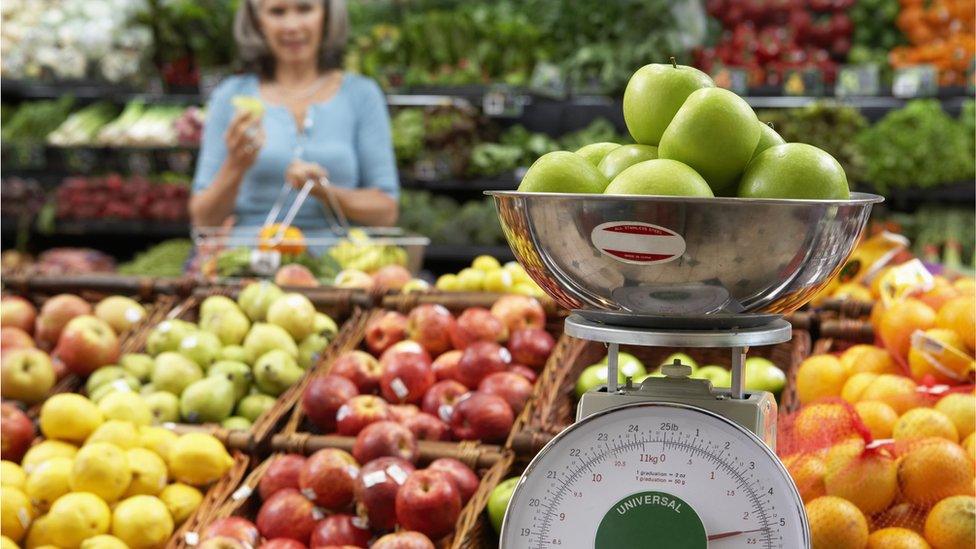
{"points": [[856, 199]]}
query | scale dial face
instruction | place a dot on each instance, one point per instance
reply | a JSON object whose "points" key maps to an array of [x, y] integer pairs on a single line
{"points": [[655, 475]]}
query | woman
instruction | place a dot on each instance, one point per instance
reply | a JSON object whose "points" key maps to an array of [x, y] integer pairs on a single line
{"points": [[319, 124]]}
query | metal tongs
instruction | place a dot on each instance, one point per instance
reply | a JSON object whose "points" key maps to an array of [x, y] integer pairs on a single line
{"points": [[337, 219]]}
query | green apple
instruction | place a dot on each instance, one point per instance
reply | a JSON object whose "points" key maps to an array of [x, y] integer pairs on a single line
{"points": [[795, 170], [309, 350], [762, 375], [265, 337], [201, 347], [229, 325], [683, 358], [165, 407], [173, 372], [238, 373], [236, 353], [208, 400], [563, 172], [660, 177], [594, 153], [295, 313], [26, 375], [327, 327], [167, 336], [256, 297], [138, 365], [714, 132], [276, 371], [654, 95], [498, 501], [252, 406], [236, 423], [628, 365], [767, 138], [719, 376], [624, 157]]}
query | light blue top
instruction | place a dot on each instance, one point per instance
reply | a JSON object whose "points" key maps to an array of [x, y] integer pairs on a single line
{"points": [[348, 134]]}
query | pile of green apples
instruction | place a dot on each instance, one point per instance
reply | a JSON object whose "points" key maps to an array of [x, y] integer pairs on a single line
{"points": [[230, 366], [692, 139], [760, 374]]}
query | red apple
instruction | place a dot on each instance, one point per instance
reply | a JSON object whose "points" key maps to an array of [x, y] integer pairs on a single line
{"points": [[477, 324], [341, 530], [400, 412], [287, 514], [237, 528], [55, 314], [14, 338], [281, 473], [17, 312], [429, 503], [360, 411], [406, 373], [480, 360], [377, 487], [531, 346], [427, 427], [296, 275], [359, 367], [403, 540], [282, 543], [445, 366], [382, 332], [512, 387], [86, 344], [328, 478], [518, 311], [431, 325], [323, 397], [385, 438], [482, 417], [464, 478], [391, 277], [441, 398], [16, 432], [524, 371]]}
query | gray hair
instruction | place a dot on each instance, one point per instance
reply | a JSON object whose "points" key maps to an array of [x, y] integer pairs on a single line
{"points": [[253, 48]]}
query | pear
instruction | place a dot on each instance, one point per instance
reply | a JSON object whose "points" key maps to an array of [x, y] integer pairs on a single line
{"points": [[237, 373], [255, 299], [209, 400], [252, 406], [138, 365], [167, 335], [106, 375], [309, 350], [201, 347], [236, 423], [165, 407], [236, 353], [265, 337], [325, 326], [230, 325], [173, 372], [276, 371]]}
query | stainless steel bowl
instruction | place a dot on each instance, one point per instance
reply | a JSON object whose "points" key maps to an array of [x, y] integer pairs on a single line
{"points": [[627, 256]]}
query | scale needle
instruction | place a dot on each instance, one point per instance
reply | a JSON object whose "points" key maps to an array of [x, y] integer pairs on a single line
{"points": [[724, 535]]}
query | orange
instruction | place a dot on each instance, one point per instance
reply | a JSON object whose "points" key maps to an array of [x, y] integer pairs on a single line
{"points": [[951, 524], [961, 409], [934, 469], [820, 376], [878, 417], [970, 445], [853, 290], [291, 242], [941, 354], [808, 472], [855, 385], [959, 315], [899, 320], [924, 423], [867, 478], [868, 358], [876, 313], [901, 515], [899, 392], [941, 293], [965, 285], [896, 538], [836, 523], [824, 424]]}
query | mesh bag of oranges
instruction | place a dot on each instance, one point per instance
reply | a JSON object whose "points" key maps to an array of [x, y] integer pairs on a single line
{"points": [[285, 239]]}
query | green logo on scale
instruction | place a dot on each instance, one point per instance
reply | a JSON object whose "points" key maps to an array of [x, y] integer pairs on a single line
{"points": [[651, 519]]}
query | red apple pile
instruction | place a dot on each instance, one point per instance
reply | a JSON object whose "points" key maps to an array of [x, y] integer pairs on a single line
{"points": [[433, 375], [328, 499], [768, 38]]}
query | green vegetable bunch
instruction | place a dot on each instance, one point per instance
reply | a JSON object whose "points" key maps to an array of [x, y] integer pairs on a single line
{"points": [[445, 221], [165, 259]]}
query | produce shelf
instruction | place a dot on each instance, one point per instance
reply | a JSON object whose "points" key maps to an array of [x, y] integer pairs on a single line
{"points": [[464, 253]]}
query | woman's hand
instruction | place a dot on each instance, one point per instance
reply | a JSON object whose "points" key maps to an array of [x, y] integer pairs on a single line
{"points": [[244, 139], [299, 172]]}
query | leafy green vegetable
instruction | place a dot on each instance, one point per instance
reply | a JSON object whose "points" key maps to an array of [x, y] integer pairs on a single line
{"points": [[34, 120], [164, 259]]}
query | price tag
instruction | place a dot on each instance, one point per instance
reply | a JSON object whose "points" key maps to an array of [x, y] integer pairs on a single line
{"points": [[265, 262], [858, 80], [803, 82], [548, 81], [917, 81], [502, 101], [732, 79]]}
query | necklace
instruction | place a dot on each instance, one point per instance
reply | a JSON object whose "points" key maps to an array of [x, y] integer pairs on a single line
{"points": [[313, 88]]}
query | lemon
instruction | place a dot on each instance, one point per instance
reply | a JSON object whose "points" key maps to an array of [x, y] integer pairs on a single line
{"points": [[123, 434], [142, 522], [45, 450], [12, 475], [76, 517], [39, 534], [198, 459], [181, 500], [486, 263], [148, 472], [157, 439], [15, 513], [104, 541], [102, 469], [49, 481], [70, 417], [7, 543], [126, 406]]}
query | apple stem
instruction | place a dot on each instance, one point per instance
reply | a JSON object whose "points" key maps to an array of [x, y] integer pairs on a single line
{"points": [[770, 124], [673, 62]]}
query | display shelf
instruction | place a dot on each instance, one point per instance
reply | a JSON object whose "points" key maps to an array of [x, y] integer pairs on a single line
{"points": [[450, 253]]}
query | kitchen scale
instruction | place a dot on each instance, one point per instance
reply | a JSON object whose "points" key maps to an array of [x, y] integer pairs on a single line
{"points": [[671, 462]]}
